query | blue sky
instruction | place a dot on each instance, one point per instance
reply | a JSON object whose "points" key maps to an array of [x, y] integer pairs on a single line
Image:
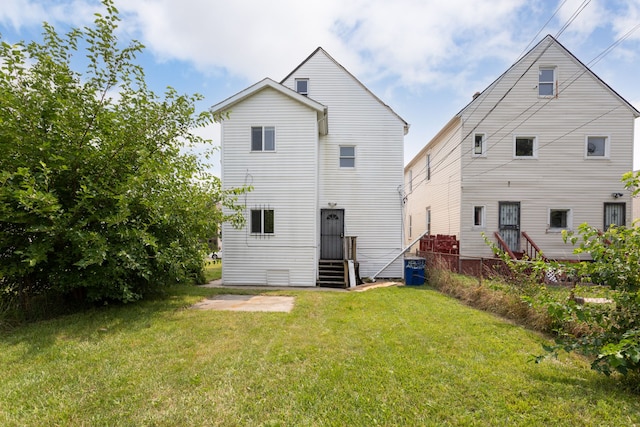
{"points": [[424, 58]]}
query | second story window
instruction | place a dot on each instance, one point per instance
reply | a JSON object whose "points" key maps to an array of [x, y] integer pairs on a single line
{"points": [[428, 166], [302, 86], [347, 157], [479, 148], [263, 138], [547, 81], [525, 147], [597, 147]]}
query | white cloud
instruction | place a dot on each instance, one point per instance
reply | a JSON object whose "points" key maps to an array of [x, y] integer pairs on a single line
{"points": [[29, 13], [412, 41], [441, 51]]}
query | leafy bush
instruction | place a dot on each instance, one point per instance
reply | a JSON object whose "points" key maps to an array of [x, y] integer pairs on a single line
{"points": [[98, 197]]}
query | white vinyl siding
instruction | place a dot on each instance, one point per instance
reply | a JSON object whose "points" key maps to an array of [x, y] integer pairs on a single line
{"points": [[368, 192], [562, 176], [284, 181], [435, 204]]}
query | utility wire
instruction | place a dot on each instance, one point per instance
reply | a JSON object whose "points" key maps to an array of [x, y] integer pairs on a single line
{"points": [[578, 75]]}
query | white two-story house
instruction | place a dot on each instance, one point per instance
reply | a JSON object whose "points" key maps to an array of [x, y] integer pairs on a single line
{"points": [[541, 150], [324, 159]]}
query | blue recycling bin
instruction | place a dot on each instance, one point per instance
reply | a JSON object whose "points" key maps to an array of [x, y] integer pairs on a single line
{"points": [[414, 269]]}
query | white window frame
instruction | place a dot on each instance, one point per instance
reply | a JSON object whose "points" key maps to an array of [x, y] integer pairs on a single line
{"points": [[410, 226], [346, 157], [483, 144], [569, 213], [263, 222], [551, 82], [607, 145], [483, 211], [534, 149], [302, 92], [263, 136], [428, 221], [410, 181], [427, 171]]}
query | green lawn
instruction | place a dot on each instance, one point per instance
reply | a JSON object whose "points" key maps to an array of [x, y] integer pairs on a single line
{"points": [[388, 356]]}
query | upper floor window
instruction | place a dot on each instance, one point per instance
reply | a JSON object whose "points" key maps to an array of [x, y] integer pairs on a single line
{"points": [[410, 180], [262, 221], [547, 81], [347, 156], [263, 138], [597, 146], [525, 147], [428, 167], [479, 144], [302, 86]]}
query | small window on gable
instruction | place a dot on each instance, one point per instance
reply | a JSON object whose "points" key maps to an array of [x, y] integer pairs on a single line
{"points": [[597, 147], [479, 144], [525, 147], [428, 167], [478, 217], [559, 219], [410, 181], [263, 138], [547, 81], [302, 86], [347, 156], [262, 221]]}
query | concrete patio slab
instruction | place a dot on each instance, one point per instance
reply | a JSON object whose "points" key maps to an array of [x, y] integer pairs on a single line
{"points": [[247, 303]]}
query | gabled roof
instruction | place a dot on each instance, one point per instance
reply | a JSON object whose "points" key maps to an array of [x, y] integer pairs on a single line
{"points": [[320, 49], [226, 105], [551, 40]]}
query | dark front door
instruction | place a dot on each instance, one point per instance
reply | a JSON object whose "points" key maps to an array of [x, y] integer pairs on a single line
{"points": [[331, 233], [509, 224], [614, 214]]}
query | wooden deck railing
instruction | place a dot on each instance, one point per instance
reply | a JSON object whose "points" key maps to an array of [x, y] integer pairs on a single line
{"points": [[503, 245], [531, 249]]}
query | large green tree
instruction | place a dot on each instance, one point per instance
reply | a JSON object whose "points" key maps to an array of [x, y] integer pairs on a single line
{"points": [[98, 195]]}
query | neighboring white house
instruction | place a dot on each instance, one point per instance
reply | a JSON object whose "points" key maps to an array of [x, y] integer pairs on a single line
{"points": [[324, 158], [541, 150]]}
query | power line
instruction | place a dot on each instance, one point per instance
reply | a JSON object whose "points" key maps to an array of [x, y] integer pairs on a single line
{"points": [[565, 87]]}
